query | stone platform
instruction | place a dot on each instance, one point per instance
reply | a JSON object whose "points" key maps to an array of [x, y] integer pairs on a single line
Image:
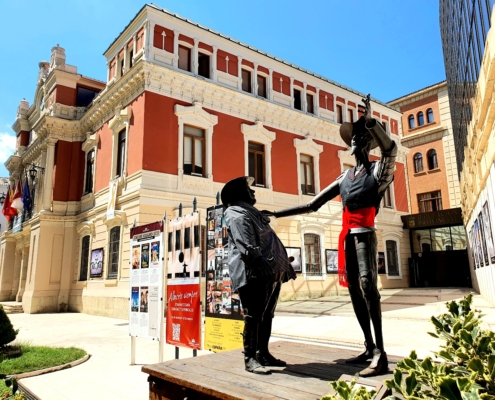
{"points": [[309, 370]]}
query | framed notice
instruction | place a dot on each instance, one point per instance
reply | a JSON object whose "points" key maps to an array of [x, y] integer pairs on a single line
{"points": [[96, 266], [294, 254], [332, 258]]}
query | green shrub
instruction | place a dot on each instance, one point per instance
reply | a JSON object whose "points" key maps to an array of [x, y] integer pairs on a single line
{"points": [[349, 391], [7, 331]]}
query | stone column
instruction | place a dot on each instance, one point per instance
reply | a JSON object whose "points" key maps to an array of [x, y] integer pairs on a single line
{"points": [[195, 57], [148, 32], [317, 103], [304, 99], [17, 273], [7, 270], [22, 279], [291, 91], [239, 72], [270, 85], [48, 182], [255, 79], [176, 49], [214, 64]]}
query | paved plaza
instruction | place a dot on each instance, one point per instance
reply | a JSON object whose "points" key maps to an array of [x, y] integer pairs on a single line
{"points": [[327, 321]]}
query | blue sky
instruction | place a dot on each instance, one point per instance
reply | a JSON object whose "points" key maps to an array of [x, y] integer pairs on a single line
{"points": [[388, 48]]}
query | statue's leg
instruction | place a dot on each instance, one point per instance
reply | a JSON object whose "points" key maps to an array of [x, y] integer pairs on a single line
{"points": [[253, 304], [366, 250], [358, 300], [264, 356]]}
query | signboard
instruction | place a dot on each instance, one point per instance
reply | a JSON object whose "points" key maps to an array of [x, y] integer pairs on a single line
{"points": [[183, 282], [96, 266], [18, 220], [432, 219], [146, 281], [223, 312]]}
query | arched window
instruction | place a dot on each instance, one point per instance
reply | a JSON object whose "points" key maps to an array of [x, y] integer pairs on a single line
{"points": [[429, 115], [421, 118], [432, 159], [411, 121], [114, 253], [418, 162], [83, 272]]}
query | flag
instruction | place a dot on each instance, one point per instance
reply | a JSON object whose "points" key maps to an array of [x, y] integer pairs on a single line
{"points": [[17, 199], [7, 209], [26, 196]]}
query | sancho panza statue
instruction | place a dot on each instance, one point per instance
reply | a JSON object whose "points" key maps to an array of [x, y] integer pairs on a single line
{"points": [[361, 189]]}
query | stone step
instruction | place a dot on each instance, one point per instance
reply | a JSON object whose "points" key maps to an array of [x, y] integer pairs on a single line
{"points": [[12, 307]]}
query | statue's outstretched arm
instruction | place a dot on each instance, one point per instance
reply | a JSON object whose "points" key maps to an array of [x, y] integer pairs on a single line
{"points": [[321, 198]]}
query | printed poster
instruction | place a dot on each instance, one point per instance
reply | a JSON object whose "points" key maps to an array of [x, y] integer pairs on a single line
{"points": [[294, 254], [223, 311], [146, 281], [96, 266], [483, 237], [183, 282], [488, 231], [332, 261], [477, 238]]}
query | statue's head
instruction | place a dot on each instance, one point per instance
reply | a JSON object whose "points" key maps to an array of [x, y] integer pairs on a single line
{"points": [[238, 189], [358, 138]]}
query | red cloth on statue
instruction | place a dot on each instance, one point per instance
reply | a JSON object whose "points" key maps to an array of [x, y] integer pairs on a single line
{"points": [[361, 218]]}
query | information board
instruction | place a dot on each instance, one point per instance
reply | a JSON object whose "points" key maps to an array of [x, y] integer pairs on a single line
{"points": [[223, 312], [146, 280]]}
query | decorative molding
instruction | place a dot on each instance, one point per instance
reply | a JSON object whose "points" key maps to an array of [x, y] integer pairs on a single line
{"points": [[92, 140], [309, 147], [86, 228]]}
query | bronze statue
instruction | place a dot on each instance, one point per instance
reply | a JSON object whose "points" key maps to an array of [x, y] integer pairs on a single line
{"points": [[258, 265], [361, 189]]}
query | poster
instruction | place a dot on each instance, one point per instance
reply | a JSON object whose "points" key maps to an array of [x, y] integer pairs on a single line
{"points": [[332, 261], [472, 246], [381, 263], [223, 311], [477, 238], [294, 254], [483, 237], [96, 267], [183, 283], [488, 232], [146, 281]]}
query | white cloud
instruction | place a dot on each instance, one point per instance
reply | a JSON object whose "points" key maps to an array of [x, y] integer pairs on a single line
{"points": [[7, 146]]}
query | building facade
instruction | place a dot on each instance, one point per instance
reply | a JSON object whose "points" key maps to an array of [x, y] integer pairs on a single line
{"points": [[469, 47], [183, 111], [437, 235]]}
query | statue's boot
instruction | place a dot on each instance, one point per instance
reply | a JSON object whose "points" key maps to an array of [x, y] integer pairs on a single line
{"points": [[263, 355], [378, 366], [366, 355], [250, 339]]}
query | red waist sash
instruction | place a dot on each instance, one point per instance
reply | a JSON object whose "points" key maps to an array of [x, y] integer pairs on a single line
{"points": [[361, 218]]}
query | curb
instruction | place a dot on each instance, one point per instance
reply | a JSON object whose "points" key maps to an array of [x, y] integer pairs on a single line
{"points": [[51, 369]]}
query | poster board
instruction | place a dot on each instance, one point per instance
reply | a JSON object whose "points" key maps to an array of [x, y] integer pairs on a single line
{"points": [[183, 282], [294, 254], [96, 266], [146, 280], [332, 260], [223, 311]]}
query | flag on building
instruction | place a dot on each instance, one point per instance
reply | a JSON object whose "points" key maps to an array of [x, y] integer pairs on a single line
{"points": [[7, 209], [26, 196], [17, 199]]}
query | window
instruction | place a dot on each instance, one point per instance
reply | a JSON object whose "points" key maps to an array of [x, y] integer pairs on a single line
{"points": [[429, 116], [340, 116], [387, 198], [307, 174], [418, 162], [122, 66], [185, 58], [297, 99], [204, 65], [310, 103], [131, 56], [114, 253], [392, 258], [312, 253], [421, 118], [120, 154], [430, 201], [85, 96], [246, 80], [90, 159], [411, 121], [83, 272], [432, 159], [257, 162], [261, 86], [384, 126], [350, 116], [194, 151]]}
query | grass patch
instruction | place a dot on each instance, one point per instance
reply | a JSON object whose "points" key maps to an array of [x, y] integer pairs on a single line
{"points": [[34, 358]]}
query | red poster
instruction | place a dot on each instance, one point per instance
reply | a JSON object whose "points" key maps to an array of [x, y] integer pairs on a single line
{"points": [[184, 315]]}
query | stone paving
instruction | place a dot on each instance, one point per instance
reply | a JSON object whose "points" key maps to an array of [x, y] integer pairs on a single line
{"points": [[327, 320]]}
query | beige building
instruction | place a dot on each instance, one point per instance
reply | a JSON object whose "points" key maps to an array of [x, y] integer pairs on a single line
{"points": [[184, 110]]}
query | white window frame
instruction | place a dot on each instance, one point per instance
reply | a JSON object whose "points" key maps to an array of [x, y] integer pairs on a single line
{"points": [[396, 237], [349, 109], [259, 134], [319, 229], [254, 83], [193, 56], [314, 102], [392, 197], [85, 228], [195, 116], [118, 123], [344, 110], [309, 147], [209, 54], [267, 86], [114, 223], [90, 144]]}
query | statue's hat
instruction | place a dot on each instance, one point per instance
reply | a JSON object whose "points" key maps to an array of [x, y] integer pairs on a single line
{"points": [[348, 128], [233, 189]]}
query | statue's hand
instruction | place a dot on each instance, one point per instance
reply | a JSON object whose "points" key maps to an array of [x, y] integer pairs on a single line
{"points": [[367, 108]]}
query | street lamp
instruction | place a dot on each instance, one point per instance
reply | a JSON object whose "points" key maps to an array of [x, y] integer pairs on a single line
{"points": [[33, 171]]}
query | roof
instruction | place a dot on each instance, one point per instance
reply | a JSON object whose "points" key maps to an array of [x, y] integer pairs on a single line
{"points": [[417, 91], [154, 6]]}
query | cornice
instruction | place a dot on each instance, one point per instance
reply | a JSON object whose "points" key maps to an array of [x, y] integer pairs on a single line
{"points": [[418, 95], [427, 136]]}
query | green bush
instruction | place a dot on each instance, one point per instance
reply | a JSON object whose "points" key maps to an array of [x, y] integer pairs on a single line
{"points": [[349, 391], [7, 331]]}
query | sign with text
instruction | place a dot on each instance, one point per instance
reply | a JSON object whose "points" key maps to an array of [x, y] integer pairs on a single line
{"points": [[223, 312], [183, 282], [146, 281]]}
